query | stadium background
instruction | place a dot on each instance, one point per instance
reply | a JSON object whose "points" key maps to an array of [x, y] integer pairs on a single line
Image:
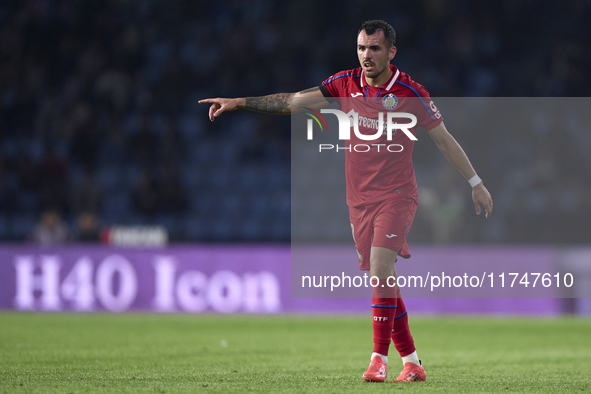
{"points": [[100, 115], [100, 126]]}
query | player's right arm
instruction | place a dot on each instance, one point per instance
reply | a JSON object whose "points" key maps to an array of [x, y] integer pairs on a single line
{"points": [[279, 103]]}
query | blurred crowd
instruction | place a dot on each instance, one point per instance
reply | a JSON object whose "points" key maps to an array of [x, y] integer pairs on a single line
{"points": [[99, 121]]}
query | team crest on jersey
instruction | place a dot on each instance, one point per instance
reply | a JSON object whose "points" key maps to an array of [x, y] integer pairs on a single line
{"points": [[390, 101]]}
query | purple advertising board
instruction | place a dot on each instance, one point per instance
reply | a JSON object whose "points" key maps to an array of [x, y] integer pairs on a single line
{"points": [[211, 279]]}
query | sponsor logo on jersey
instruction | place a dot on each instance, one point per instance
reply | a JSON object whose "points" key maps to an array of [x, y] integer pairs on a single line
{"points": [[436, 112], [373, 124], [390, 101]]}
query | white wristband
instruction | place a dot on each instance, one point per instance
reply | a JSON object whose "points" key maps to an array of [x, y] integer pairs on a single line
{"points": [[475, 180]]}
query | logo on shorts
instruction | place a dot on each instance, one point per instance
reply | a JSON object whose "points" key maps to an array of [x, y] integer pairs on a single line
{"points": [[359, 255], [391, 235], [390, 101]]}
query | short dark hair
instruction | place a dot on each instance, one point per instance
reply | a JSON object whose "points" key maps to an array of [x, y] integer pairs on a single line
{"points": [[373, 26]]}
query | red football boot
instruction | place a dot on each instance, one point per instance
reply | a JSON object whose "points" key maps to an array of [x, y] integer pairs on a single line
{"points": [[377, 371], [411, 373]]}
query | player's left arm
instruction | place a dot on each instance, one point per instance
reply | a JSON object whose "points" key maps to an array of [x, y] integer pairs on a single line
{"points": [[456, 156]]}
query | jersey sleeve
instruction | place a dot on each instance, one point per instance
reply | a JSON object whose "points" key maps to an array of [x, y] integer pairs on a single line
{"points": [[325, 92], [334, 86], [427, 113]]}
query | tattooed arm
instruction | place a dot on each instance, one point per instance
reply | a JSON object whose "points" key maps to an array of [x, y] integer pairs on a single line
{"points": [[279, 103]]}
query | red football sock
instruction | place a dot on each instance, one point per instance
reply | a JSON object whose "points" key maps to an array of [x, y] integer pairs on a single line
{"points": [[401, 336], [383, 311]]}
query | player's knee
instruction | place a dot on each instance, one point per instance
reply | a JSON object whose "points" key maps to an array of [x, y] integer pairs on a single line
{"points": [[381, 268], [382, 262]]}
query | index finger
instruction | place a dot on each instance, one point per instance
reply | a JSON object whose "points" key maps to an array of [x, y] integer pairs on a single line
{"points": [[206, 101], [488, 208]]}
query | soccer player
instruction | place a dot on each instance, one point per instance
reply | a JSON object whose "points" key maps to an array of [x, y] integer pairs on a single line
{"points": [[381, 187]]}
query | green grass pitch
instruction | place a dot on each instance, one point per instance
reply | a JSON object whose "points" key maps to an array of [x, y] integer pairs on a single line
{"points": [[82, 353]]}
